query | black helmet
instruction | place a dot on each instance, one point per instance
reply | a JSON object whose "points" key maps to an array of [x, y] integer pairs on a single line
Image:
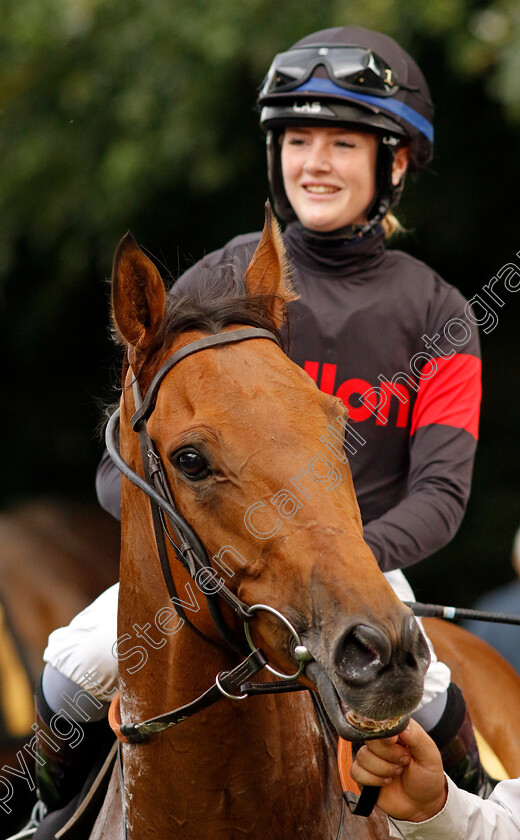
{"points": [[348, 75]]}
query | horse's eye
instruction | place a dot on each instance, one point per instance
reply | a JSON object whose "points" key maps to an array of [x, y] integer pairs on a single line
{"points": [[192, 464]]}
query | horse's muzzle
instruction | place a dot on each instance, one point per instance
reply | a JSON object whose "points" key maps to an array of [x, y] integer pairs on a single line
{"points": [[370, 685], [361, 653]]}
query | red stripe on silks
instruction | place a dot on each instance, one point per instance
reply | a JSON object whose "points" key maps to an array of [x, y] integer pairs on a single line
{"points": [[451, 396], [312, 369]]}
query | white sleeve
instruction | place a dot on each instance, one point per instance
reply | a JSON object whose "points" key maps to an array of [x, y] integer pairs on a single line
{"points": [[467, 817]]}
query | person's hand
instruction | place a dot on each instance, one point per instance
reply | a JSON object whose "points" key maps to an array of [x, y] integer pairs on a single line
{"points": [[408, 768]]}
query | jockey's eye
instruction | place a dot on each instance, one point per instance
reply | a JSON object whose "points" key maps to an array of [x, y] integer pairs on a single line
{"points": [[191, 463]]}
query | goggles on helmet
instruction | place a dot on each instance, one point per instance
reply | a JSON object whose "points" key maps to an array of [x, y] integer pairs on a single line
{"points": [[353, 68]]}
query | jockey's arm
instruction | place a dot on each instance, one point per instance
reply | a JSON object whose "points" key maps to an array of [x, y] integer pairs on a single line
{"points": [[443, 442]]}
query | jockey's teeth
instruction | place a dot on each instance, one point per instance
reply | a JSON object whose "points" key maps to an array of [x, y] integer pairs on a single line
{"points": [[321, 189]]}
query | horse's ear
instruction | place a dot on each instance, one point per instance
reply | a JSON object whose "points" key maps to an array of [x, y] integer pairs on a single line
{"points": [[138, 295], [268, 272]]}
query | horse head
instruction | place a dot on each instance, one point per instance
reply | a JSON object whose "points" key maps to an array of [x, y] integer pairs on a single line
{"points": [[251, 455]]}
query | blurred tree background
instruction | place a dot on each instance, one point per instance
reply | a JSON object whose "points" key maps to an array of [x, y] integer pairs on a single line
{"points": [[118, 114]]}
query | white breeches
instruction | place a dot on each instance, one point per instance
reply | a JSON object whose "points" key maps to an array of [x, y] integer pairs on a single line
{"points": [[82, 651]]}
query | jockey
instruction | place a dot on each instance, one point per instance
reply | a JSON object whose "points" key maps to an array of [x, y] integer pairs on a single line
{"points": [[346, 113]]}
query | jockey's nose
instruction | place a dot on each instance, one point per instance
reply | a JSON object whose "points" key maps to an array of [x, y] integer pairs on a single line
{"points": [[317, 159]]}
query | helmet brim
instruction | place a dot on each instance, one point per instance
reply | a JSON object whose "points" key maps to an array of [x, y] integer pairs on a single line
{"points": [[323, 112]]}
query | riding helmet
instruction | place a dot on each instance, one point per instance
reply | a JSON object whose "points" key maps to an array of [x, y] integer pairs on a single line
{"points": [[354, 76]]}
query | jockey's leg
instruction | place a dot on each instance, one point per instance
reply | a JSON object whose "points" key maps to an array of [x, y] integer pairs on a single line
{"points": [[72, 702], [443, 714], [68, 743], [82, 651]]}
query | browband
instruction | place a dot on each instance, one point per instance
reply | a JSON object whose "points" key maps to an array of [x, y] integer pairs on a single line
{"points": [[230, 337]]}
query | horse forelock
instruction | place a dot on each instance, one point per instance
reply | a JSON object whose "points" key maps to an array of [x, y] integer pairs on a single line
{"points": [[213, 314], [216, 298]]}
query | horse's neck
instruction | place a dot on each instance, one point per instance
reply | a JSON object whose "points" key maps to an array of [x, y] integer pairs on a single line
{"points": [[260, 763]]}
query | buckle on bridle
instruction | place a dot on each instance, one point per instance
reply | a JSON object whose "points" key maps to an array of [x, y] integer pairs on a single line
{"points": [[154, 462]]}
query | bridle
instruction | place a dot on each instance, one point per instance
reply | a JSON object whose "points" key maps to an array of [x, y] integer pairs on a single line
{"points": [[192, 554]]}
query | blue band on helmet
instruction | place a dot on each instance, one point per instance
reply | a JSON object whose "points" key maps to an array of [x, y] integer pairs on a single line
{"points": [[394, 106]]}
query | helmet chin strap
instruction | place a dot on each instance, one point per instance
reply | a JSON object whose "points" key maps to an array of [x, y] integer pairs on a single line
{"points": [[387, 193]]}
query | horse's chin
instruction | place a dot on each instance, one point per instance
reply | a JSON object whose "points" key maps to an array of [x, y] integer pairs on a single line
{"points": [[348, 723]]}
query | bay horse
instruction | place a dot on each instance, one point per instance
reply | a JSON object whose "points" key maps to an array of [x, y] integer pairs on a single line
{"points": [[245, 441]]}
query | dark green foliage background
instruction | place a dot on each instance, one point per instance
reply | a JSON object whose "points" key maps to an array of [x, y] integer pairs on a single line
{"points": [[118, 114]]}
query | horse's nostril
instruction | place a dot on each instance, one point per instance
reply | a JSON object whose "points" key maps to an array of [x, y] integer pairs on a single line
{"points": [[361, 653], [410, 630], [414, 649]]}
